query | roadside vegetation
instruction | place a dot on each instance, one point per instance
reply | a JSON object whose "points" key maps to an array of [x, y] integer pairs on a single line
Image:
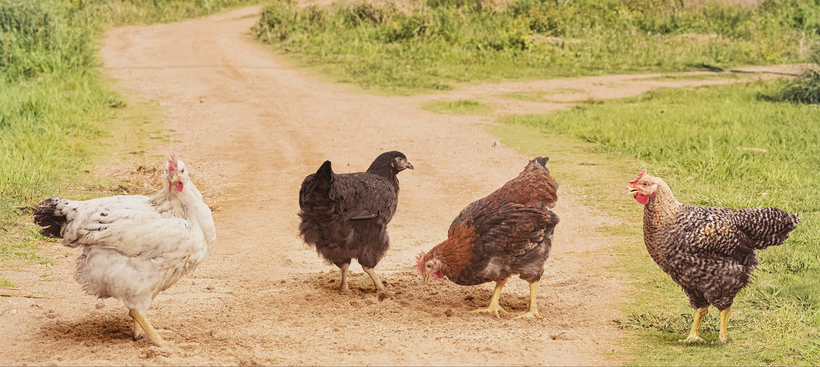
{"points": [[56, 106], [463, 106], [714, 146], [416, 45], [803, 89]]}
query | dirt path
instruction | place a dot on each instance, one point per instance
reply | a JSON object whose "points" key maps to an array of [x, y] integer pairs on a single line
{"points": [[251, 127]]}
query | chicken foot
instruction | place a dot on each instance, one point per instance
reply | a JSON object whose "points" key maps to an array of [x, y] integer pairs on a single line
{"points": [[142, 324], [494, 307], [533, 310], [376, 280], [724, 325], [694, 335], [139, 333]]}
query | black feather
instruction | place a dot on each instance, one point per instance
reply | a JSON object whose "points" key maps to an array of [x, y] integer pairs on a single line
{"points": [[345, 216], [50, 218]]}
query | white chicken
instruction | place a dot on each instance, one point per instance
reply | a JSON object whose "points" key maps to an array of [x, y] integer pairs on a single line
{"points": [[134, 247]]}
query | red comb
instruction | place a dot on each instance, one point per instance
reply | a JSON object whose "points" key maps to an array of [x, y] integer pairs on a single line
{"points": [[172, 163], [420, 264], [643, 172]]}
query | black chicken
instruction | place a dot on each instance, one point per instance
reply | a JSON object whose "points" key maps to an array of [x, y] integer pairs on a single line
{"points": [[345, 216]]}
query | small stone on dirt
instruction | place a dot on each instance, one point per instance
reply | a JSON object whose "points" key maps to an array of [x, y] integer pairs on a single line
{"points": [[449, 312], [564, 335], [100, 305]]}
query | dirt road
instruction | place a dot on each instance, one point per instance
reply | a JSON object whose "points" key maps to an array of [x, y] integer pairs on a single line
{"points": [[250, 127]]}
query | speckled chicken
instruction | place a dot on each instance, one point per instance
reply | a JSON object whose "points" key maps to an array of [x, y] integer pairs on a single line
{"points": [[507, 233], [134, 247], [345, 216], [709, 252]]}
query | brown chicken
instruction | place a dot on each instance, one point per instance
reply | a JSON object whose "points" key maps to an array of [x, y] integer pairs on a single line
{"points": [[709, 252], [506, 233]]}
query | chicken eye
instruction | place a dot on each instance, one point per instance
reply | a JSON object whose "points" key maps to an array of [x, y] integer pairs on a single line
{"points": [[428, 266]]}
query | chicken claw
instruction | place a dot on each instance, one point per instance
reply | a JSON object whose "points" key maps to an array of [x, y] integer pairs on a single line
{"points": [[494, 307], [152, 334], [533, 310], [694, 335]]}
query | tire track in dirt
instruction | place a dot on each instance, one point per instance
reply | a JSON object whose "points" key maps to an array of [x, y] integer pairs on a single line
{"points": [[251, 127]]}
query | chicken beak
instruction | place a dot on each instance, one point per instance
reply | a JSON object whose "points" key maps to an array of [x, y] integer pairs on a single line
{"points": [[408, 165], [427, 278], [173, 178], [633, 191]]}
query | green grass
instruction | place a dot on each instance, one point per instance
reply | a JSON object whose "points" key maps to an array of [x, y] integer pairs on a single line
{"points": [[435, 45], [690, 137], [458, 107], [118, 13], [57, 109], [539, 96], [27, 250], [707, 76], [802, 89]]}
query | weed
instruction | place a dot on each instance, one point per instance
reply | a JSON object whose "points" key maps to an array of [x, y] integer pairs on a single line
{"points": [[438, 44], [56, 107], [458, 107], [803, 89]]}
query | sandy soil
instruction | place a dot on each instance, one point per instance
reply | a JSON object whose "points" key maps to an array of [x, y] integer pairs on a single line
{"points": [[251, 127]]}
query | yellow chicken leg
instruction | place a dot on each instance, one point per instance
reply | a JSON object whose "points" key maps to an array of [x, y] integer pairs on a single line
{"points": [[533, 310], [150, 332], [376, 280], [694, 335], [724, 325], [493, 307]]}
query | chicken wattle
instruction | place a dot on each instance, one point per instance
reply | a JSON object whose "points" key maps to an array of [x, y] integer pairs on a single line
{"points": [[709, 252], [134, 246]]}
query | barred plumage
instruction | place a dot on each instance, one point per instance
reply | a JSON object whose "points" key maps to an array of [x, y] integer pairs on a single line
{"points": [[709, 252]]}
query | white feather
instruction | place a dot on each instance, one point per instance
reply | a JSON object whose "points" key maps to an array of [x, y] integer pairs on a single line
{"points": [[134, 246]]}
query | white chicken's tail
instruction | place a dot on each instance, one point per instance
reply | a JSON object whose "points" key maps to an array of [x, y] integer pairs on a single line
{"points": [[51, 216]]}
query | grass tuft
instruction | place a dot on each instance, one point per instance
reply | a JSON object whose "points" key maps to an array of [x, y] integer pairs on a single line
{"points": [[803, 89], [436, 45], [56, 107], [458, 107]]}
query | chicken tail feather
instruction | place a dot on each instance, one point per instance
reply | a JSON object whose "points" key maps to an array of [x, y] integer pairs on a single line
{"points": [[49, 216]]}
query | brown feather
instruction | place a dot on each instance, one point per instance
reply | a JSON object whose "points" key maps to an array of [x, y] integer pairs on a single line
{"points": [[455, 252]]}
